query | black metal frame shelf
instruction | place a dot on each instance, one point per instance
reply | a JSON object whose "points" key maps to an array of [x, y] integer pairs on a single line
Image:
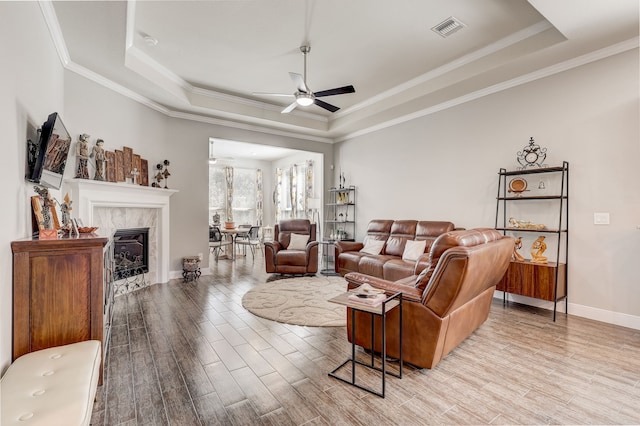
{"points": [[335, 229], [561, 232]]}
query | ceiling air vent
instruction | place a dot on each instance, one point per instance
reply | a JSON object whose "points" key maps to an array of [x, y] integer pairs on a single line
{"points": [[448, 26]]}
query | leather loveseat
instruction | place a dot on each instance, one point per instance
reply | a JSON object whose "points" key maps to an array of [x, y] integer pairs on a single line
{"points": [[443, 305], [280, 255], [389, 263]]}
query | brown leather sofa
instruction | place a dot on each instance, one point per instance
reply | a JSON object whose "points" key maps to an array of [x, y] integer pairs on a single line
{"points": [[443, 305], [389, 264], [280, 259]]}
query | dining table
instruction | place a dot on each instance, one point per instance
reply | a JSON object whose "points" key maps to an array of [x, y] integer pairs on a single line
{"points": [[233, 233]]}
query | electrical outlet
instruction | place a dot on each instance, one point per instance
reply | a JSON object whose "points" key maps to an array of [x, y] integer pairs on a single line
{"points": [[601, 218]]}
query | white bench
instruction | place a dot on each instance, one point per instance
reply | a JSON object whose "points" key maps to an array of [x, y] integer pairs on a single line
{"points": [[55, 386]]}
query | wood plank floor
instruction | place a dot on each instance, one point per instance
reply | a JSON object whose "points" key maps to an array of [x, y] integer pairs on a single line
{"points": [[190, 354]]}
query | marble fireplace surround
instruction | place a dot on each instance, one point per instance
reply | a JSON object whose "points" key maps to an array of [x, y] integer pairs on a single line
{"points": [[90, 199]]}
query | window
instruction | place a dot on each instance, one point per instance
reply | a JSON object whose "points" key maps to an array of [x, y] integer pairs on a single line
{"points": [[244, 195]]}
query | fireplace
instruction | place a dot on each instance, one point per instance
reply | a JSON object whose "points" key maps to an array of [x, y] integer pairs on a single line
{"points": [[130, 252]]}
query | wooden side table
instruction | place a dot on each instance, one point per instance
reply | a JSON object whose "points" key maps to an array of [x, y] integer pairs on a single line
{"points": [[381, 310]]}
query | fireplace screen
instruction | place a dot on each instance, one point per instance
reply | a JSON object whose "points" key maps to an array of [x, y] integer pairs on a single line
{"points": [[130, 252]]}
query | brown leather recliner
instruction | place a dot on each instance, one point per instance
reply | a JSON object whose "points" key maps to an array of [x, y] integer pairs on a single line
{"points": [[443, 305], [280, 259]]}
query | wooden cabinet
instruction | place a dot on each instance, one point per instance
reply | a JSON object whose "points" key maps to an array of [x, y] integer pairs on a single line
{"points": [[541, 281], [549, 198], [62, 292]]}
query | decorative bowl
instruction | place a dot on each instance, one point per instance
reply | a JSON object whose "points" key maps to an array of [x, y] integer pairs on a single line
{"points": [[87, 229], [517, 186]]}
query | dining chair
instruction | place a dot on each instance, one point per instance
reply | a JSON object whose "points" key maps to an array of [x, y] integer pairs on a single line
{"points": [[250, 239], [216, 242]]}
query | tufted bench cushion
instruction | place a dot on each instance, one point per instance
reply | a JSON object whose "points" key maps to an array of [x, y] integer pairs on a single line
{"points": [[55, 386]]}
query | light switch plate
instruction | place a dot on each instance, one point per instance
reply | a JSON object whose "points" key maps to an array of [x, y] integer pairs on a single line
{"points": [[601, 218]]}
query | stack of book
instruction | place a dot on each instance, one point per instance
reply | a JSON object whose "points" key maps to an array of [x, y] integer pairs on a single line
{"points": [[367, 299]]}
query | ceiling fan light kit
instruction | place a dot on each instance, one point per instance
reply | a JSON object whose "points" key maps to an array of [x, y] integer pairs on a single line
{"points": [[304, 99], [304, 96]]}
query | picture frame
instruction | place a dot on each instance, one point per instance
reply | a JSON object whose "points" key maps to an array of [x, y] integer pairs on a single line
{"points": [[144, 172], [111, 166], [128, 162], [119, 165]]}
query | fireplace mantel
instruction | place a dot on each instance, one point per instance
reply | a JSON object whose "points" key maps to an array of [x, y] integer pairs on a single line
{"points": [[89, 194]]}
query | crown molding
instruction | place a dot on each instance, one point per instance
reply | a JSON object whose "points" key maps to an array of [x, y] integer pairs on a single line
{"points": [[51, 19], [569, 64], [246, 126]]}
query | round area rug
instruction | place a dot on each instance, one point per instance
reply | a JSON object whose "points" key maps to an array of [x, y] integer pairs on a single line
{"points": [[299, 301]]}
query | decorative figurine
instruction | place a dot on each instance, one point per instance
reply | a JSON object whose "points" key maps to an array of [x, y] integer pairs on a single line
{"points": [[65, 210], [159, 176], [517, 246], [216, 219], [98, 153], [82, 155], [166, 173], [537, 250], [46, 206], [532, 156], [525, 224], [134, 176]]}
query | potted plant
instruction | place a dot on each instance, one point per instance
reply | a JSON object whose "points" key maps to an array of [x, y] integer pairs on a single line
{"points": [[229, 224]]}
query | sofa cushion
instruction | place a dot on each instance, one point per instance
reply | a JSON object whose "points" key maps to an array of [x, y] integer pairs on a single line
{"points": [[372, 246], [413, 250], [401, 232], [372, 265], [298, 242], [292, 257], [396, 269]]}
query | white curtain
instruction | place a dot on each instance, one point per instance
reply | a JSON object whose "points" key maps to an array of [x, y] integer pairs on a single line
{"points": [[259, 198], [228, 172]]}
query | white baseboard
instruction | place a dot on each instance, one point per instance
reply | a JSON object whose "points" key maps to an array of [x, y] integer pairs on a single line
{"points": [[597, 314], [178, 274]]}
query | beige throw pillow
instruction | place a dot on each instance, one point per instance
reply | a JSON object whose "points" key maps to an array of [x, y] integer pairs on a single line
{"points": [[298, 242], [413, 250], [372, 246]]}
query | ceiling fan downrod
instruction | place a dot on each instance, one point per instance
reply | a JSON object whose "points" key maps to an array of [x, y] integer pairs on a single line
{"points": [[305, 49]]}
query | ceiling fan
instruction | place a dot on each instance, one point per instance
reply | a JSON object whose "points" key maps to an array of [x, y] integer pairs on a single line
{"points": [[304, 96]]}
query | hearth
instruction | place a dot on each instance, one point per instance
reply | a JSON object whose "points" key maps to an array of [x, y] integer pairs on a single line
{"points": [[130, 252]]}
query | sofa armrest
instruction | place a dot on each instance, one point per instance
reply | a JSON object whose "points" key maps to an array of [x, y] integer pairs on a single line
{"points": [[310, 246], [356, 279], [342, 246], [422, 263], [272, 247]]}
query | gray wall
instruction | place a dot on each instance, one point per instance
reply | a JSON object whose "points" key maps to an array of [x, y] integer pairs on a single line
{"points": [[444, 167], [31, 87]]}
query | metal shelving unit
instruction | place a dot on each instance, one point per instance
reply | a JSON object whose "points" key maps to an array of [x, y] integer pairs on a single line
{"points": [[547, 281], [340, 215]]}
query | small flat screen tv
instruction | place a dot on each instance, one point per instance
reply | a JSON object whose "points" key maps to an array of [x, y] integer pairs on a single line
{"points": [[47, 159]]}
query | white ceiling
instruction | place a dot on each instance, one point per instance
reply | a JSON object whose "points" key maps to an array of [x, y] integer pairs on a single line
{"points": [[212, 55]]}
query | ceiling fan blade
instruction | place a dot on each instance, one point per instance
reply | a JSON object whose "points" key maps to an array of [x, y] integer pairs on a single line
{"points": [[298, 80], [272, 94], [323, 104], [289, 108], [336, 91]]}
